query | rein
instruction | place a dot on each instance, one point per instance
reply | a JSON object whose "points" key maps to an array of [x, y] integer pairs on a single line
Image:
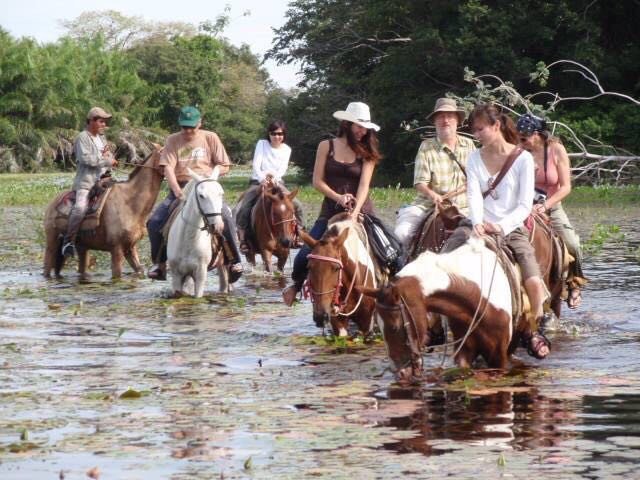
{"points": [[336, 290], [269, 218], [205, 216]]}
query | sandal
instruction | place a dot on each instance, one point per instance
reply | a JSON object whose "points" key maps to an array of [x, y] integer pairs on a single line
{"points": [[157, 272], [575, 298], [244, 248], [538, 346], [235, 272]]}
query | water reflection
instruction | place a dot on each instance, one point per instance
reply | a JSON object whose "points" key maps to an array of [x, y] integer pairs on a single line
{"points": [[521, 419]]}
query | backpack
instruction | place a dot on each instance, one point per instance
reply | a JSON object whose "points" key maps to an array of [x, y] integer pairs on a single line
{"points": [[384, 244]]}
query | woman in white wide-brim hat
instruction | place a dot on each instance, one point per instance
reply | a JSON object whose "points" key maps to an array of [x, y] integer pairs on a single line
{"points": [[342, 173]]}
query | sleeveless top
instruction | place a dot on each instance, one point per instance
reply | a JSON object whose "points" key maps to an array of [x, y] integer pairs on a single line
{"points": [[550, 183], [342, 178]]}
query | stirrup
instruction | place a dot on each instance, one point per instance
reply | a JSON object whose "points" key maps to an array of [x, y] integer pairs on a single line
{"points": [[68, 250]]}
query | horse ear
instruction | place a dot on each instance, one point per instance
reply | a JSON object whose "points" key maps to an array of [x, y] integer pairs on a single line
{"points": [[367, 291], [194, 175], [342, 237], [293, 193], [215, 174], [308, 239]]}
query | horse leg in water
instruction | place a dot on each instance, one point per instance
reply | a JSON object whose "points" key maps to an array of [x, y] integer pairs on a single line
{"points": [[223, 278], [50, 253], [266, 258], [199, 280], [83, 262], [117, 257], [282, 260], [134, 260]]}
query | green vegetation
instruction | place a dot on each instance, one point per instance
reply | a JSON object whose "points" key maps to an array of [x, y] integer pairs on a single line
{"points": [[46, 90], [400, 55]]}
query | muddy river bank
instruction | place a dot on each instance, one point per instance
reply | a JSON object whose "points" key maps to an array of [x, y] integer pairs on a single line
{"points": [[118, 377]]}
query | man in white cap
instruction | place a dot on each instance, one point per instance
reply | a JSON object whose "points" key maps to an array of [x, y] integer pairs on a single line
{"points": [[93, 157], [439, 170]]}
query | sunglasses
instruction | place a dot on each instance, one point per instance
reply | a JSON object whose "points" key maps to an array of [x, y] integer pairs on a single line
{"points": [[276, 134]]}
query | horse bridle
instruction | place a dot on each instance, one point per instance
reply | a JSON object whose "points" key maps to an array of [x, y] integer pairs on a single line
{"points": [[411, 332], [269, 219], [205, 215]]}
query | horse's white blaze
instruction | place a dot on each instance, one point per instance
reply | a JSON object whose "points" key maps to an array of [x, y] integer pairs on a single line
{"points": [[472, 261], [356, 250], [283, 208], [343, 332]]}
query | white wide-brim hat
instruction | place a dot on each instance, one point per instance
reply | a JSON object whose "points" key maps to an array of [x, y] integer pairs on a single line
{"points": [[358, 113]]}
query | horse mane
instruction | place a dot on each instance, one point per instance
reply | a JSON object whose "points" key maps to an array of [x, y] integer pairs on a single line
{"points": [[141, 165]]}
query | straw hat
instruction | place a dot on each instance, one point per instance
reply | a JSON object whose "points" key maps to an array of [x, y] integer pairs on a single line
{"points": [[97, 112], [447, 105], [358, 113]]}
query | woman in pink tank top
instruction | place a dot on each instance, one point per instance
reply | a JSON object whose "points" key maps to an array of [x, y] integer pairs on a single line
{"points": [[553, 184]]}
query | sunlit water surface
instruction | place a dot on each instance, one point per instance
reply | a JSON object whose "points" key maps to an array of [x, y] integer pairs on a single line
{"points": [[119, 377]]}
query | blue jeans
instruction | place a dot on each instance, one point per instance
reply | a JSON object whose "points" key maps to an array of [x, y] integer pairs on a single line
{"points": [[299, 274]]}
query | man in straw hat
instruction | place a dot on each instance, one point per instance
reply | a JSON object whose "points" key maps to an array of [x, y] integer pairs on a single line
{"points": [[439, 170], [93, 157]]}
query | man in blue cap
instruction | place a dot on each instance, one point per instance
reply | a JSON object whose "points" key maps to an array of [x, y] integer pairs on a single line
{"points": [[200, 151]]}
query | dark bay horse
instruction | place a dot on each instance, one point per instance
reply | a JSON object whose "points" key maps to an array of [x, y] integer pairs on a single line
{"points": [[273, 226], [122, 223], [473, 290], [339, 263]]}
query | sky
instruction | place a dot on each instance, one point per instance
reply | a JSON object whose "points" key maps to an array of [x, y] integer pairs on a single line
{"points": [[40, 19]]}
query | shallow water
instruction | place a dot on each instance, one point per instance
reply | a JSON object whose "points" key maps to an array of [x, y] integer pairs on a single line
{"points": [[117, 376]]}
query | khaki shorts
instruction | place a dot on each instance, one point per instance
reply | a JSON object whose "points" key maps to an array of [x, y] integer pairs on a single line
{"points": [[518, 242]]}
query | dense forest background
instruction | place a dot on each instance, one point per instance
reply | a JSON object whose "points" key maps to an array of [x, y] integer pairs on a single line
{"points": [[396, 55]]}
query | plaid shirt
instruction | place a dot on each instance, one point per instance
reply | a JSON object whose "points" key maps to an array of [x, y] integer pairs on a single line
{"points": [[436, 166]]}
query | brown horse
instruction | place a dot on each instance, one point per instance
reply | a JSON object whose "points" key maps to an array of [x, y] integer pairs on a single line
{"points": [[473, 290], [122, 223], [274, 226], [338, 263]]}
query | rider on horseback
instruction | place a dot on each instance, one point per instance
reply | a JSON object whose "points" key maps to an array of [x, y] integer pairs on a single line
{"points": [[270, 162], [439, 170], [197, 150], [553, 181], [93, 157], [500, 193]]}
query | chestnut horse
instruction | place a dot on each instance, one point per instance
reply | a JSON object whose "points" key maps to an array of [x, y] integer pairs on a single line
{"points": [[122, 223], [274, 226], [339, 263], [471, 288]]}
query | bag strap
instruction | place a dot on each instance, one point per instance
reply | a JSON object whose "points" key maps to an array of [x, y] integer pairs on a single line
{"points": [[503, 171]]}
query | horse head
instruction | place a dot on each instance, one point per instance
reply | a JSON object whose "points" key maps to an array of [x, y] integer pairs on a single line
{"points": [[208, 194], [281, 214], [326, 268], [398, 329]]}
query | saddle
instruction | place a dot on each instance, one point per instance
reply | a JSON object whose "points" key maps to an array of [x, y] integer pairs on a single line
{"points": [[98, 196], [435, 230]]}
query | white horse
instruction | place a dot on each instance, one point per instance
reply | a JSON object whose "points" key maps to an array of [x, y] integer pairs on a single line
{"points": [[189, 243]]}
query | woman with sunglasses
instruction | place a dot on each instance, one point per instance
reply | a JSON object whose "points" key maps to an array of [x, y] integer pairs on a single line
{"points": [[502, 208], [270, 163], [342, 173], [553, 184]]}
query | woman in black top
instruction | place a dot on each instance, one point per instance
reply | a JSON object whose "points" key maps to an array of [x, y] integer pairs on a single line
{"points": [[342, 173]]}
